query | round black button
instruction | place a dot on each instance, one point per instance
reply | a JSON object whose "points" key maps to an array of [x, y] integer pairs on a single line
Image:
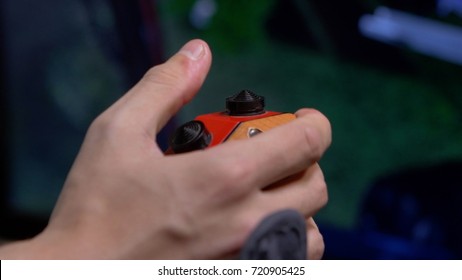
{"points": [[245, 103], [189, 137]]}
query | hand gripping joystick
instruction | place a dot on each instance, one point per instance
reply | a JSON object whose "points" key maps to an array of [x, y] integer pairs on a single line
{"points": [[281, 235]]}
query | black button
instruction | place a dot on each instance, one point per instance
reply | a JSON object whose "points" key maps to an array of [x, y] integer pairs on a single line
{"points": [[245, 103], [189, 137]]}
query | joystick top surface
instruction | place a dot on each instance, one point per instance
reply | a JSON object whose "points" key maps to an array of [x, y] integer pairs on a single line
{"points": [[191, 136], [245, 103]]}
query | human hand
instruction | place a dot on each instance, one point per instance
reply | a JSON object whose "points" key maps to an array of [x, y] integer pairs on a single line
{"points": [[123, 198]]}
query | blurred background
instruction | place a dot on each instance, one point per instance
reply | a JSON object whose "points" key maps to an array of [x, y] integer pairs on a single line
{"points": [[387, 74]]}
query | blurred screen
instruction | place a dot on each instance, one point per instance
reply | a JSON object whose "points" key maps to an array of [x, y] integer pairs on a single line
{"points": [[62, 66]]}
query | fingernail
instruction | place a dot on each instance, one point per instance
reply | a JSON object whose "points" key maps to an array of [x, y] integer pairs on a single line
{"points": [[193, 49]]}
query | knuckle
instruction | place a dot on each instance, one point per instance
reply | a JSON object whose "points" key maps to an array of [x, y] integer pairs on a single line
{"points": [[165, 75], [324, 195], [236, 173], [104, 125], [328, 130], [321, 119], [321, 188], [109, 126], [100, 124], [316, 250], [317, 135], [317, 191], [313, 145]]}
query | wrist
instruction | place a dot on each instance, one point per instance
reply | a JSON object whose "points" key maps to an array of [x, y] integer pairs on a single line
{"points": [[23, 249], [46, 245]]}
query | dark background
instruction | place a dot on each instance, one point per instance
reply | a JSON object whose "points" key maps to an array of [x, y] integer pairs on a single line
{"points": [[393, 168]]}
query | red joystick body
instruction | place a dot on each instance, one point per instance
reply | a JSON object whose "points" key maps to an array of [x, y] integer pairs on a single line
{"points": [[244, 117]]}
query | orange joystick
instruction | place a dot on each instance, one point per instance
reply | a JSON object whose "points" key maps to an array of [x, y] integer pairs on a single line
{"points": [[244, 117]]}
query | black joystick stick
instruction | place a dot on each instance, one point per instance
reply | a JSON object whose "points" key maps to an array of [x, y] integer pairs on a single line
{"points": [[245, 103], [189, 137]]}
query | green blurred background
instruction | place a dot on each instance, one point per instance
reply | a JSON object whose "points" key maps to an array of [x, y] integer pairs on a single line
{"points": [[384, 118]]}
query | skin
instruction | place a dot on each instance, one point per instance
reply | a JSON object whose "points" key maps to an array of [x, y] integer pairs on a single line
{"points": [[124, 199]]}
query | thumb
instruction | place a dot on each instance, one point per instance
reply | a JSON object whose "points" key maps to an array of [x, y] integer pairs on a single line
{"points": [[165, 88]]}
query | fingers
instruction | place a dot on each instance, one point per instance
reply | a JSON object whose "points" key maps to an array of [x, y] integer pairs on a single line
{"points": [[315, 240], [305, 192], [166, 88], [270, 156]]}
